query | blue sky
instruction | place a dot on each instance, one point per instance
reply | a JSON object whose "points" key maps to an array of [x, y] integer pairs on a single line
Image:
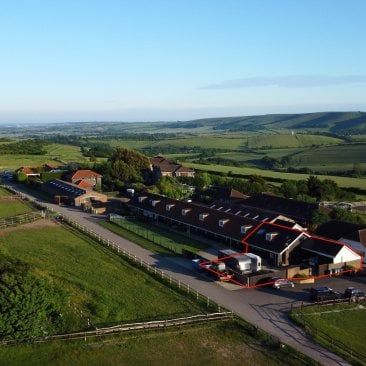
{"points": [[179, 59]]}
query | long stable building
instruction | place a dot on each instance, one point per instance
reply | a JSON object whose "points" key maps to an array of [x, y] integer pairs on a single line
{"points": [[276, 240]]}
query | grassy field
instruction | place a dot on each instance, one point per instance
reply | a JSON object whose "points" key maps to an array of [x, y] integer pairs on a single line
{"points": [[344, 323], [102, 285], [331, 157], [341, 181], [4, 192], [14, 207], [55, 154], [290, 141], [233, 142], [173, 242], [212, 344]]}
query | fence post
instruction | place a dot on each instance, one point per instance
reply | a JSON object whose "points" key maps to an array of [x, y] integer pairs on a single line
{"points": [[208, 301]]}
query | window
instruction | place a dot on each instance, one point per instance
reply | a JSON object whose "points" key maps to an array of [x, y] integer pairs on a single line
{"points": [[185, 211], [222, 222], [169, 207], [245, 228], [203, 216]]}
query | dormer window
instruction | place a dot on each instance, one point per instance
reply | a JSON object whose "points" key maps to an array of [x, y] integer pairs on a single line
{"points": [[169, 207], [271, 236], [245, 228], [203, 216], [222, 222], [142, 198], [185, 211], [154, 202]]}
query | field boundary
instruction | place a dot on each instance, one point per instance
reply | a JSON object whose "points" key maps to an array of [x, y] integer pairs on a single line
{"points": [[120, 328], [325, 339], [20, 219]]}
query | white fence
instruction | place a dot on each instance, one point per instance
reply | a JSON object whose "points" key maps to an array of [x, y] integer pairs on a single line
{"points": [[121, 328]]}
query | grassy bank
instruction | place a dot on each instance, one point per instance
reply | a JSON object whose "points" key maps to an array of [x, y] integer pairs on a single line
{"points": [[212, 344], [100, 284]]}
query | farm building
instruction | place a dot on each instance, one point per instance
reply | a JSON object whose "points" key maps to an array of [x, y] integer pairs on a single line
{"points": [[354, 235], [278, 245], [85, 178], [29, 171], [71, 194], [162, 167], [319, 251], [299, 211]]}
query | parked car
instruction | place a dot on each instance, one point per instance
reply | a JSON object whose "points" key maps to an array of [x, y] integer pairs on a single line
{"points": [[324, 294], [354, 294], [278, 283]]}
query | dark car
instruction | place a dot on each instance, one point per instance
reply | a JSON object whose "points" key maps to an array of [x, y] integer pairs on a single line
{"points": [[354, 294], [278, 283], [324, 294]]}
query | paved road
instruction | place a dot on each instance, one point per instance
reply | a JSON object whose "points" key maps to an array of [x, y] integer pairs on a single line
{"points": [[265, 308]]}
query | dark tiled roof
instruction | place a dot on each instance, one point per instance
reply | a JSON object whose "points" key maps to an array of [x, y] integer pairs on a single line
{"points": [[248, 212], [231, 227], [322, 246], [60, 187], [298, 210], [282, 237], [341, 229]]}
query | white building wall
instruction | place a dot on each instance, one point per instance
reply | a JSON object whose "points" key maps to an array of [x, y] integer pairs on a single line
{"points": [[356, 245], [346, 255]]}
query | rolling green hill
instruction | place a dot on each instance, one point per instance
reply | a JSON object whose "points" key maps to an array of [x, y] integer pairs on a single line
{"points": [[335, 122]]}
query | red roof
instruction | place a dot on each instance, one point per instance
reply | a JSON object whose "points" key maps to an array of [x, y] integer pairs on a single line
{"points": [[84, 173], [28, 170], [84, 184]]}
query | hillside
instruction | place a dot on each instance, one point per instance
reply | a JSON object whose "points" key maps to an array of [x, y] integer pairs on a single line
{"points": [[334, 122]]}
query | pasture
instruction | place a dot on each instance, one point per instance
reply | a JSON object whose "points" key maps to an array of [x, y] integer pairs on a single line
{"points": [[343, 322], [232, 142], [56, 153], [13, 207], [100, 284], [331, 157], [341, 181], [226, 343]]}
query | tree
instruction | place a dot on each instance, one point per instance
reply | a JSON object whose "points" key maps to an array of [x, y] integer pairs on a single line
{"points": [[202, 180], [289, 189], [167, 186], [128, 165], [29, 305], [315, 188], [318, 217], [21, 177], [340, 214]]}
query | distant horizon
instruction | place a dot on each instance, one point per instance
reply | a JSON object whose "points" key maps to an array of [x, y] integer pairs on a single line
{"points": [[24, 123]]}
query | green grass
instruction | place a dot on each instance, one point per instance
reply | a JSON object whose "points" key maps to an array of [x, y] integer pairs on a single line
{"points": [[290, 141], [13, 207], [224, 343], [331, 157], [233, 142], [341, 181], [4, 192], [153, 234], [101, 284], [344, 323], [129, 235], [55, 154]]}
